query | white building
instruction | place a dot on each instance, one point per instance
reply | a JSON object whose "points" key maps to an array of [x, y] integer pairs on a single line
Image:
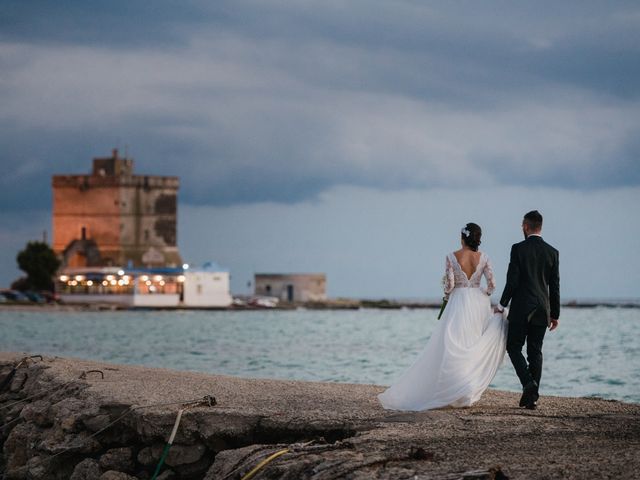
{"points": [[206, 287]]}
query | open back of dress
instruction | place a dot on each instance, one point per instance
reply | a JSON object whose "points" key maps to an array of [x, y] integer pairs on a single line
{"points": [[464, 351]]}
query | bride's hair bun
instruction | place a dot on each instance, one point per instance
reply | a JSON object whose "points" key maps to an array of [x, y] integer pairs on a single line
{"points": [[471, 234]]}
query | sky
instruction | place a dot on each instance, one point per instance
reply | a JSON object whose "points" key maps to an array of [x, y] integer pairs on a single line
{"points": [[352, 138]]}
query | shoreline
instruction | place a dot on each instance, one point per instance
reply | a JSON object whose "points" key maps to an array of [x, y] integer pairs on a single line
{"points": [[328, 305], [54, 433]]}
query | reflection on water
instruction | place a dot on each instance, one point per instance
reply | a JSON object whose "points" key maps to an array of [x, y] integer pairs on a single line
{"points": [[594, 352]]}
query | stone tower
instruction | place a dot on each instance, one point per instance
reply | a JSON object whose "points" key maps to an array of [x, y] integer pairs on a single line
{"points": [[113, 217]]}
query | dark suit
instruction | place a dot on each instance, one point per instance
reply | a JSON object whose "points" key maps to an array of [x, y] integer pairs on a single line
{"points": [[533, 287]]}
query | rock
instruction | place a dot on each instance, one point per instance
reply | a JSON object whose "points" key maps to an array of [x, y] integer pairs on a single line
{"points": [[419, 453], [184, 454], [97, 422], [37, 468], [38, 413], [149, 456], [228, 460], [18, 380], [55, 441], [87, 469], [20, 445], [194, 470], [154, 425], [120, 459], [67, 413], [494, 473], [217, 430], [178, 454], [114, 475], [166, 475]]}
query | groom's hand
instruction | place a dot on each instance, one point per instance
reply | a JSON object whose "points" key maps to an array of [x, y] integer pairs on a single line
{"points": [[554, 324]]}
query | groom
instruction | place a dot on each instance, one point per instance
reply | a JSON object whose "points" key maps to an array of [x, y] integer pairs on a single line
{"points": [[533, 287]]}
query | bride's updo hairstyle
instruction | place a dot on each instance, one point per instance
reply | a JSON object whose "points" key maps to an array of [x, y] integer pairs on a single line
{"points": [[471, 234]]}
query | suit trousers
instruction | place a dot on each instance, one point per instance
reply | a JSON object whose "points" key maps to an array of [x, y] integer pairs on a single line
{"points": [[521, 330]]}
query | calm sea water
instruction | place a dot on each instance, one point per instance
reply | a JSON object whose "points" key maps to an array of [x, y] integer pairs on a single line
{"points": [[594, 352]]}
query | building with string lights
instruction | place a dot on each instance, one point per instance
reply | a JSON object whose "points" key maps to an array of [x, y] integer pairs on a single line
{"points": [[115, 234]]}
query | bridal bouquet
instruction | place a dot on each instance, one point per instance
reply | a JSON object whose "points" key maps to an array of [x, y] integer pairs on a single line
{"points": [[445, 299]]}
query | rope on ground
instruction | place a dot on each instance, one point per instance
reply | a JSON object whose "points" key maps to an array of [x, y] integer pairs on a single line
{"points": [[263, 463], [165, 451], [271, 456], [208, 400], [239, 465]]}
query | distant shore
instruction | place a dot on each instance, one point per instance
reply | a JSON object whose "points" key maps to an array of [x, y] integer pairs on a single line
{"points": [[337, 304], [74, 418]]}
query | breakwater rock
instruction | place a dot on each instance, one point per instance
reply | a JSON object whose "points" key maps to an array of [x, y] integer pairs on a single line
{"points": [[60, 419]]}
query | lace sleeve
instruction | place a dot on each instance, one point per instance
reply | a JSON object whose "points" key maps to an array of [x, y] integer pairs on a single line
{"points": [[449, 280], [488, 274]]}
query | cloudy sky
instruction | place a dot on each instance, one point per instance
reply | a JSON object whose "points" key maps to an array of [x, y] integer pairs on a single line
{"points": [[352, 138]]}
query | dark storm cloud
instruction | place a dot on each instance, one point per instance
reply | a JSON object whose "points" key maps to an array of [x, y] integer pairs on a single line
{"points": [[118, 23], [279, 101]]}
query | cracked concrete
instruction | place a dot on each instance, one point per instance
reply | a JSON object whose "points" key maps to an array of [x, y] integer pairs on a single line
{"points": [[329, 430]]}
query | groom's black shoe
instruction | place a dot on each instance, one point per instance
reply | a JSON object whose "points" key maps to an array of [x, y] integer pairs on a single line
{"points": [[529, 394], [531, 406]]}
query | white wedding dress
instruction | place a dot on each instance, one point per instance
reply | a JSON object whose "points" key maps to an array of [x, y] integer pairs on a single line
{"points": [[464, 352]]}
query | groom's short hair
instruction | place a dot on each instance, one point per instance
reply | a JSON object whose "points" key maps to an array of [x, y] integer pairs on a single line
{"points": [[534, 220]]}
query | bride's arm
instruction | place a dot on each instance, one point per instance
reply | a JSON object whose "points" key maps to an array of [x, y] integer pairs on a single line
{"points": [[449, 278], [488, 274]]}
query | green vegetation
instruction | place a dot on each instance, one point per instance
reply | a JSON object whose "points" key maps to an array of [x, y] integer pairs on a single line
{"points": [[40, 263]]}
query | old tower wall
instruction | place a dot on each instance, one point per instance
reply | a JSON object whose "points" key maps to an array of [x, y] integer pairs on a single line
{"points": [[131, 219]]}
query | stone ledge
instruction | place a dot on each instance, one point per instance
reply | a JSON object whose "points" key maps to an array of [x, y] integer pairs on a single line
{"points": [[353, 437]]}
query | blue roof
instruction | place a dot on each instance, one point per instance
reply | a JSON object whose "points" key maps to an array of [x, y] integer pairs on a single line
{"points": [[157, 270]]}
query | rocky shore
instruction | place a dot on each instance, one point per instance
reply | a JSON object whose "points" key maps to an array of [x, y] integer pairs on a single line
{"points": [[61, 419]]}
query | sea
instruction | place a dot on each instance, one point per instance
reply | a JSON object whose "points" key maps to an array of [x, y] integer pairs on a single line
{"points": [[595, 351]]}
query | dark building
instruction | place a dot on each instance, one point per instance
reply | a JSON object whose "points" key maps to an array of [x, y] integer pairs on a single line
{"points": [[292, 287]]}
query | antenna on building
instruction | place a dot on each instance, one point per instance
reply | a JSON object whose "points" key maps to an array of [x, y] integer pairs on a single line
{"points": [[126, 151], [44, 236]]}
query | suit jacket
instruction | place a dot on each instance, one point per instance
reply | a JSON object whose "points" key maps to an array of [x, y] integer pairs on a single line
{"points": [[533, 282]]}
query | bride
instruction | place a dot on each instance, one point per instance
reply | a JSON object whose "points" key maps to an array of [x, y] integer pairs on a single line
{"points": [[466, 347]]}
